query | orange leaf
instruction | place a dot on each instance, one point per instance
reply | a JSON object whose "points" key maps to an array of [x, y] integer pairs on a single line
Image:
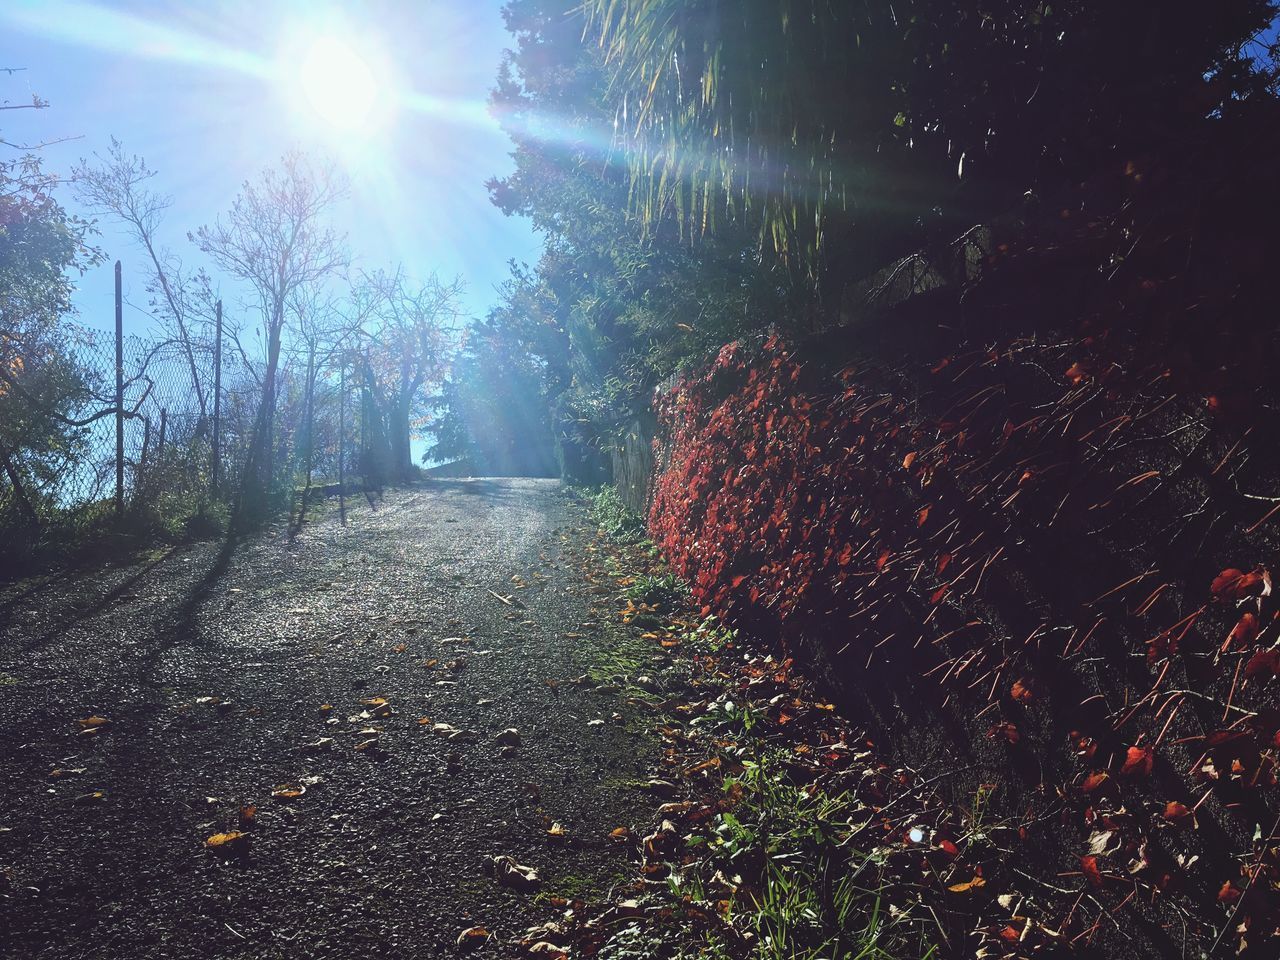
{"points": [[968, 885]]}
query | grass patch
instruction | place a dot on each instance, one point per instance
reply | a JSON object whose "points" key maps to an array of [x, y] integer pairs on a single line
{"points": [[806, 894], [618, 521]]}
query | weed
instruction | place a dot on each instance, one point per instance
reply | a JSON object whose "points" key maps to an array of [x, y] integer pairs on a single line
{"points": [[662, 594]]}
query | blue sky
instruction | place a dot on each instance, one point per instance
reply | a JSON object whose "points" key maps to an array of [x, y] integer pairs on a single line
{"points": [[210, 93]]}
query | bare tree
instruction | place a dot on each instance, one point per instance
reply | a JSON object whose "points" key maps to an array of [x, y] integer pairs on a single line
{"points": [[326, 328], [116, 186], [275, 239], [411, 347]]}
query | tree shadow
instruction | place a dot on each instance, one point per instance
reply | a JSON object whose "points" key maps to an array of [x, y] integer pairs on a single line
{"points": [[185, 619], [81, 614]]}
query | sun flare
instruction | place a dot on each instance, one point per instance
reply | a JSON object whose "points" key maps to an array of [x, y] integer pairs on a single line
{"points": [[338, 86]]}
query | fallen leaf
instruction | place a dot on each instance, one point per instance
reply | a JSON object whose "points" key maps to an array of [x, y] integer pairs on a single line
{"points": [[472, 937], [661, 788], [974, 884], [545, 948], [515, 875], [232, 843], [288, 791]]}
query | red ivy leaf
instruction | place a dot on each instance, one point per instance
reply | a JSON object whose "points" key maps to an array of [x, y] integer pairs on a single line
{"points": [[1264, 663], [1005, 731], [1233, 584], [1095, 781], [1243, 633], [1089, 864], [1021, 691], [1177, 813], [1138, 762]]}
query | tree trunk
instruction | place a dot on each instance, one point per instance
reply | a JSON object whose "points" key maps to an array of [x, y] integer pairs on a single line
{"points": [[19, 491], [255, 488]]}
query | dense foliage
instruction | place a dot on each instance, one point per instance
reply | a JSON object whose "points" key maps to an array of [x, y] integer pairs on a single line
{"points": [[702, 170], [42, 384], [870, 124]]}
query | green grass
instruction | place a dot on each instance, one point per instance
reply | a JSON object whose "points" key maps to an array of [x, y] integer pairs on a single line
{"points": [[810, 898]]}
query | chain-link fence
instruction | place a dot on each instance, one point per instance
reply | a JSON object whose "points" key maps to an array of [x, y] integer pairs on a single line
{"points": [[185, 414]]}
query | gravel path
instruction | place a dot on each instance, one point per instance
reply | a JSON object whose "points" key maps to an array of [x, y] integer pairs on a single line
{"points": [[383, 853]]}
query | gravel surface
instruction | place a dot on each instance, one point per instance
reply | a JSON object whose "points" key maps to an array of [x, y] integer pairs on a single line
{"points": [[102, 835]]}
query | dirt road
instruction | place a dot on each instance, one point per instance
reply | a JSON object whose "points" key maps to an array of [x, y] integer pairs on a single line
{"points": [[213, 673]]}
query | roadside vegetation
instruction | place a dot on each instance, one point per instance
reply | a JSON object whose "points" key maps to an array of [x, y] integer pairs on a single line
{"points": [[777, 833]]}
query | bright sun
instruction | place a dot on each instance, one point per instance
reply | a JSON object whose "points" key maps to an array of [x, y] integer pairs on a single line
{"points": [[338, 85]]}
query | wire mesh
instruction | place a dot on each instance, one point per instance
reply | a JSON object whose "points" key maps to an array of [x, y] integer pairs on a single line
{"points": [[68, 471]]}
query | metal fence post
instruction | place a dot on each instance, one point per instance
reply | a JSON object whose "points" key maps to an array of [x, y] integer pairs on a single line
{"points": [[119, 396], [342, 426], [217, 398], [365, 394]]}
